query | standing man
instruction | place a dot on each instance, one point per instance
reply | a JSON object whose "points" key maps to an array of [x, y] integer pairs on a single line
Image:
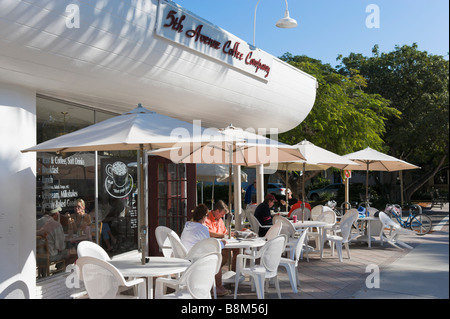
{"points": [[262, 213]]}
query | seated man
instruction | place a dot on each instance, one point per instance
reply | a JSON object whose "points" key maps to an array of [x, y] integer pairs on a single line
{"points": [[217, 229], [298, 205], [262, 213]]}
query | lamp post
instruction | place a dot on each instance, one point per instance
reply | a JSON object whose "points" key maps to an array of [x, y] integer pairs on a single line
{"points": [[285, 23]]}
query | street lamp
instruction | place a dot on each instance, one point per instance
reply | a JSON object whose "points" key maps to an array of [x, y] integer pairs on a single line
{"points": [[285, 23]]}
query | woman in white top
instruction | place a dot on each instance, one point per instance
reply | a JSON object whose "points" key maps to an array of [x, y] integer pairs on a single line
{"points": [[194, 230]]}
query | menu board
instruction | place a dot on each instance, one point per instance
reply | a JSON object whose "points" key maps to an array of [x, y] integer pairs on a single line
{"points": [[63, 179]]}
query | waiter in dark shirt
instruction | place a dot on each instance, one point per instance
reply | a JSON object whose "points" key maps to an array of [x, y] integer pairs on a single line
{"points": [[262, 213]]}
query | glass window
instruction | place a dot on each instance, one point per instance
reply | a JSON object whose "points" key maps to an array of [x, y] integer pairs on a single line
{"points": [[65, 193]]}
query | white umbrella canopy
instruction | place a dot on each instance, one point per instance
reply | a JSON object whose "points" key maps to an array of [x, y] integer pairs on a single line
{"points": [[377, 161], [372, 160], [238, 147], [138, 129], [316, 158]]}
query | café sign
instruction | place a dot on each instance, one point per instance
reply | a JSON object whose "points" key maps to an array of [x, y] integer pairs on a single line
{"points": [[183, 27]]}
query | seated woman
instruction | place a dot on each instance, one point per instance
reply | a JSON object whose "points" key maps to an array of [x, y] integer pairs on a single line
{"points": [[195, 231]]}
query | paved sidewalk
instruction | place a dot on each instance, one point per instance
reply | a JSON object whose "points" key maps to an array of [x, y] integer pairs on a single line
{"points": [[407, 274]]}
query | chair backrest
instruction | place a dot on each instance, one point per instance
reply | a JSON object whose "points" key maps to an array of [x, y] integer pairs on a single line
{"points": [[387, 221], [327, 216], [254, 223], [346, 224], [316, 211], [204, 247], [271, 253], [349, 213], [299, 213], [287, 227], [161, 233], [273, 231], [101, 279], [199, 276], [179, 251], [90, 249]]}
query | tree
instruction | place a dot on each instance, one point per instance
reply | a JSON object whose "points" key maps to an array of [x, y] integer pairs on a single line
{"points": [[416, 84], [344, 118]]}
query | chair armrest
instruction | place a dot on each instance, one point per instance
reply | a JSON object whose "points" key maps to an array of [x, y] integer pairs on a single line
{"points": [[162, 283], [134, 282]]}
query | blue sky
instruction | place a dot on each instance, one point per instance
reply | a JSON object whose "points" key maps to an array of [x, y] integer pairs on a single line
{"points": [[328, 28]]}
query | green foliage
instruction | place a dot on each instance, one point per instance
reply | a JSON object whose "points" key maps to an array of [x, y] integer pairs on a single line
{"points": [[344, 118], [396, 102]]}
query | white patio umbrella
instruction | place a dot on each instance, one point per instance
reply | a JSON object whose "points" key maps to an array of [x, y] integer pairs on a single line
{"points": [[139, 129], [316, 158], [246, 149], [372, 160]]}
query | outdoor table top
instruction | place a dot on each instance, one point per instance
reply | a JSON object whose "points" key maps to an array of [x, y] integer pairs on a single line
{"points": [[156, 266], [245, 243]]}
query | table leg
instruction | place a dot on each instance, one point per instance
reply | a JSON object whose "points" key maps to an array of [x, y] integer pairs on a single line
{"points": [[149, 287], [322, 240]]}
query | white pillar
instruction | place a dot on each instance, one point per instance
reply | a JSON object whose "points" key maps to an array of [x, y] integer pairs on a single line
{"points": [[237, 179], [17, 189], [259, 184]]}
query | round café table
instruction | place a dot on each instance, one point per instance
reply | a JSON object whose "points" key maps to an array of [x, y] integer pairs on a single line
{"points": [[156, 266]]}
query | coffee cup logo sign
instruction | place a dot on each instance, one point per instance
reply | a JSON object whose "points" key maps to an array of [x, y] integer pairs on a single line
{"points": [[118, 182], [186, 29]]}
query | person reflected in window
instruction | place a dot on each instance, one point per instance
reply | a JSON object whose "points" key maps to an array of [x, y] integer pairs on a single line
{"points": [[49, 226], [81, 222]]}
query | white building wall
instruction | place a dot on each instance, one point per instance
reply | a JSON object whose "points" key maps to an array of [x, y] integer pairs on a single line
{"points": [[17, 190]]}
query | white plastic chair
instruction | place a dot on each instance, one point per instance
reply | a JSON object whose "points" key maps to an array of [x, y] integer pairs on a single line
{"points": [[254, 223], [103, 281], [328, 216], [316, 211], [273, 231], [345, 228], [395, 230], [161, 233], [287, 227], [91, 249], [269, 256], [195, 283], [203, 248], [298, 212], [291, 263], [178, 249]]}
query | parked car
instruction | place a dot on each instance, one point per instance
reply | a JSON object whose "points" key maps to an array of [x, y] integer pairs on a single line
{"points": [[333, 189], [276, 188]]}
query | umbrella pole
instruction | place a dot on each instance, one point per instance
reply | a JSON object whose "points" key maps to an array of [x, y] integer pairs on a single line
{"points": [[303, 193], [367, 186], [287, 186], [141, 205]]}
